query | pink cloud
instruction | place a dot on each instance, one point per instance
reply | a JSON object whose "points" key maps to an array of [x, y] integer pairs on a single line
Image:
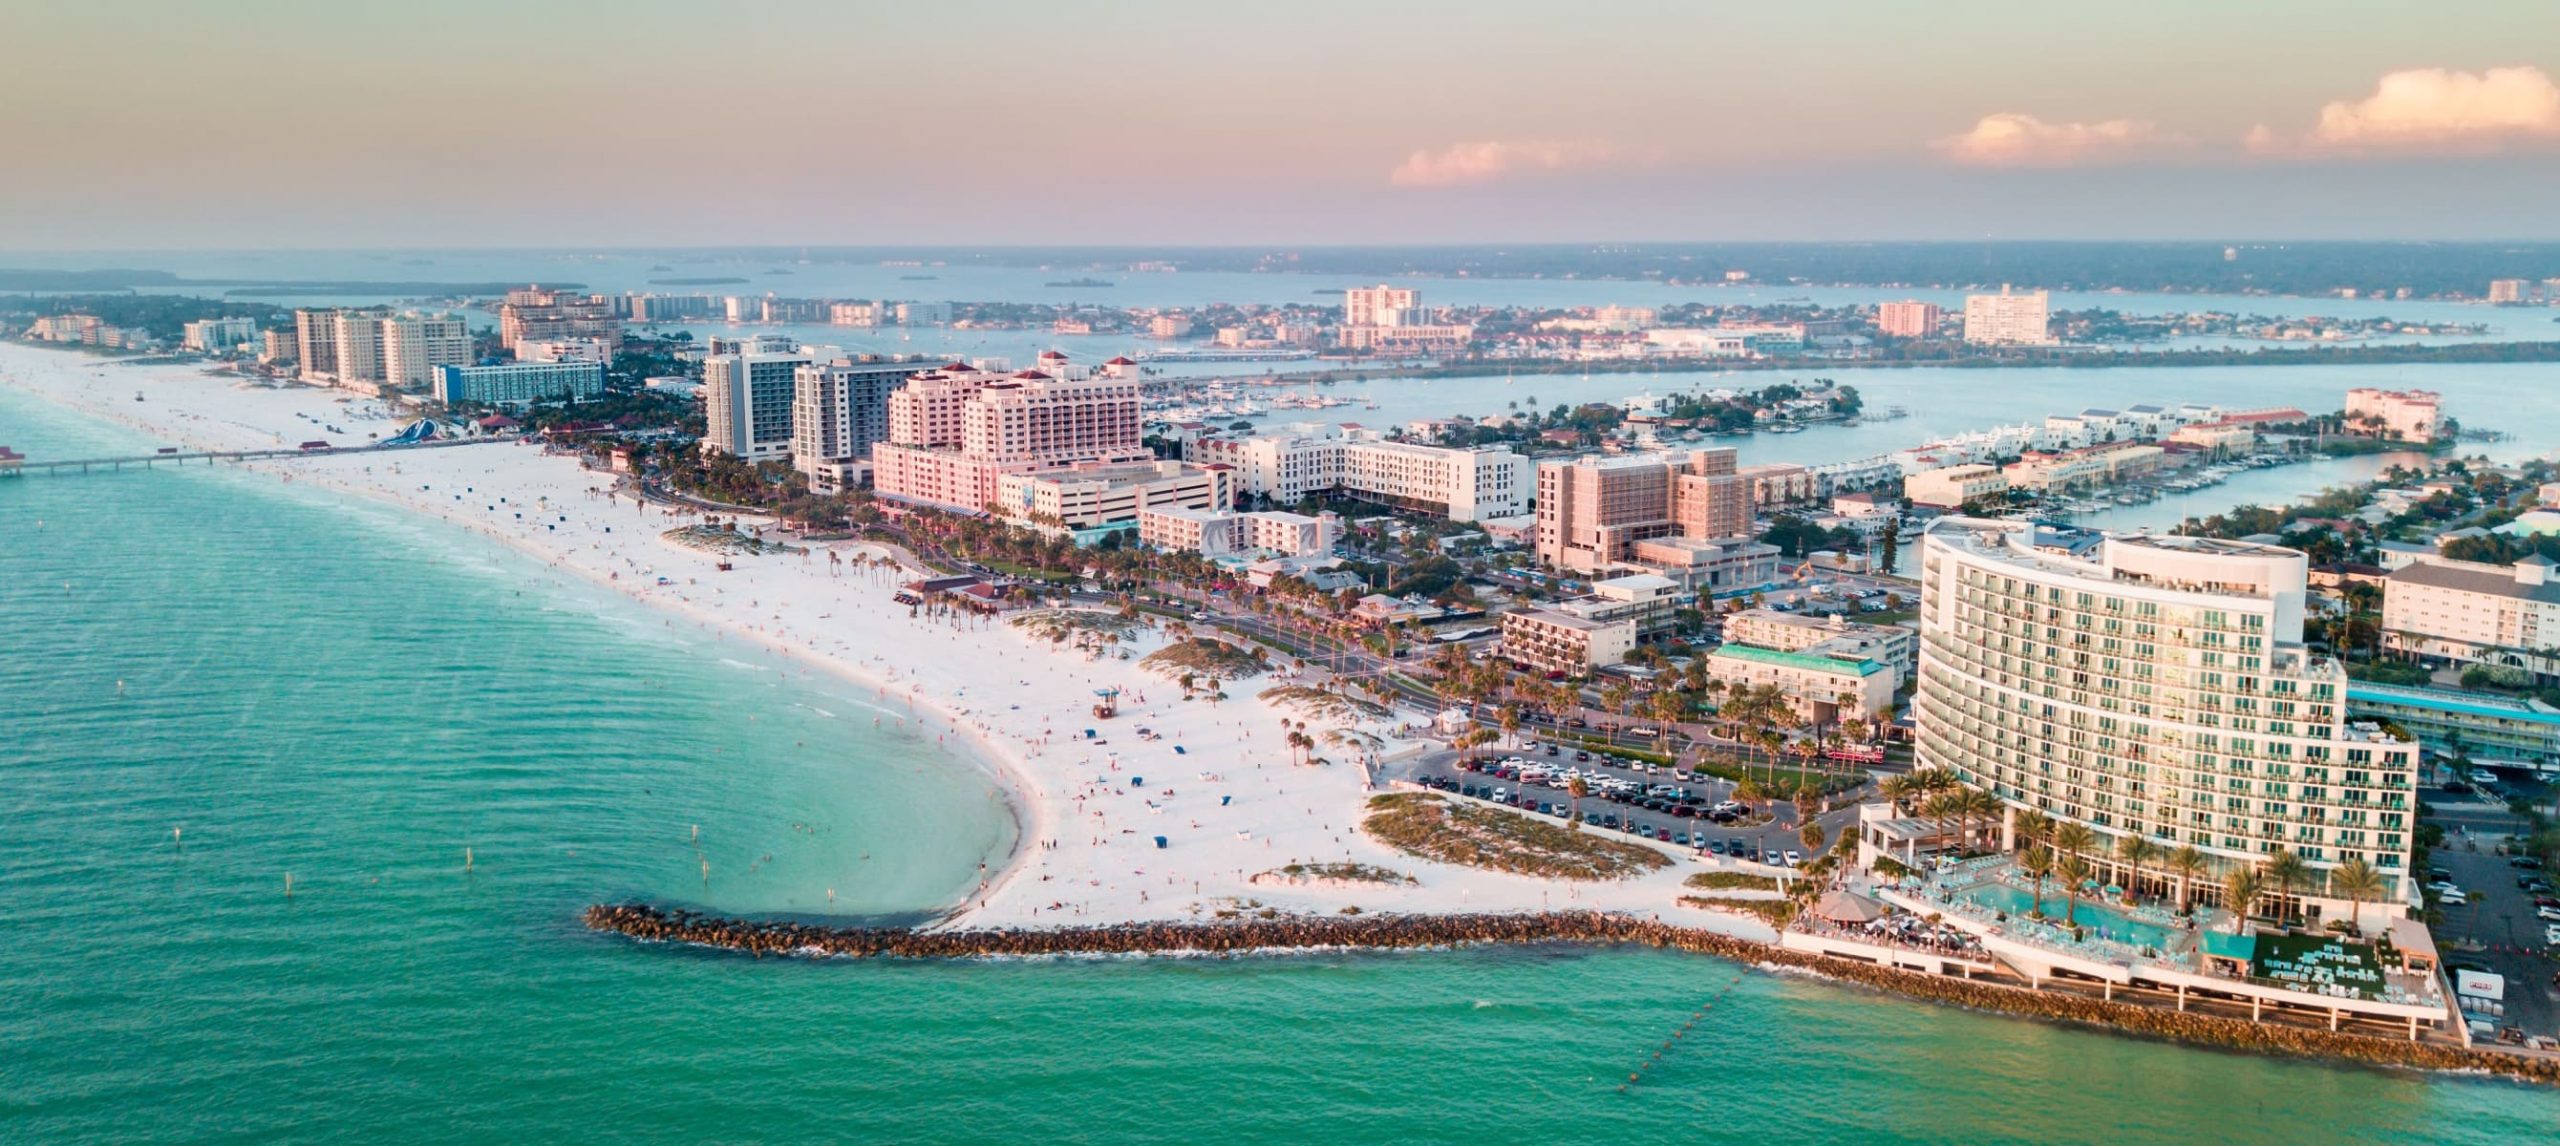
{"points": [[2014, 139], [1486, 161], [2433, 110]]}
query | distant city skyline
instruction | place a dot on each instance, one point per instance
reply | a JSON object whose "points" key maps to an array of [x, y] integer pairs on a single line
{"points": [[289, 123]]}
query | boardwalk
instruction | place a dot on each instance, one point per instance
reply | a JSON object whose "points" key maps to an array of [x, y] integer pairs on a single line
{"points": [[15, 466]]}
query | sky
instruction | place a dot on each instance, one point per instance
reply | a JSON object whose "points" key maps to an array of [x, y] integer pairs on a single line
{"points": [[136, 125]]}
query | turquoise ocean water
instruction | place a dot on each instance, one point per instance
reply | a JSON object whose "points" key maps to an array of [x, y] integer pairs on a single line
{"points": [[344, 694]]}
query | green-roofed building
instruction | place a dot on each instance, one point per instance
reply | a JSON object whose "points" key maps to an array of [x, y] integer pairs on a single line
{"points": [[1821, 688]]}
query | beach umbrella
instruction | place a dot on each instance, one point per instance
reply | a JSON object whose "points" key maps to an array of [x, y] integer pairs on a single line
{"points": [[1848, 907]]}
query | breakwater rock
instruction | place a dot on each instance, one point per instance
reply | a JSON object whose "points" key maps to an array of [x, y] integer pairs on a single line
{"points": [[1407, 932]]}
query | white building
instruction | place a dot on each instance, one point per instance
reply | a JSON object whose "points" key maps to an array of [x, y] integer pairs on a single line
{"points": [[1225, 533], [2397, 415], [219, 335], [1464, 484], [415, 346], [1382, 305], [2472, 613], [1893, 646], [1085, 495], [2154, 687], [2008, 319], [565, 349], [746, 399]]}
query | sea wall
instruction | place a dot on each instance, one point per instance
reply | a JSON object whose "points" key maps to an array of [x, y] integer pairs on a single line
{"points": [[1392, 932]]}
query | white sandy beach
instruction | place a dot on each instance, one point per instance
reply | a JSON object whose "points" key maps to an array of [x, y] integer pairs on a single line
{"points": [[1230, 805]]}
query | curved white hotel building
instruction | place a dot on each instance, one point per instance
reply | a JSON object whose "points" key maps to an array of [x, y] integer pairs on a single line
{"points": [[2153, 686]]}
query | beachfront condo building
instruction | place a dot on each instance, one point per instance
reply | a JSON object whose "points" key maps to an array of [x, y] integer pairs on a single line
{"points": [[2466, 612], [1110, 496], [955, 430], [1592, 511], [415, 346], [518, 383], [535, 313], [2153, 687], [2008, 319], [219, 335], [839, 411], [747, 394], [1463, 484]]}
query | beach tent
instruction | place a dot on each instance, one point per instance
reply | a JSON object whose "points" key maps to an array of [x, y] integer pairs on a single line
{"points": [[1848, 907]]}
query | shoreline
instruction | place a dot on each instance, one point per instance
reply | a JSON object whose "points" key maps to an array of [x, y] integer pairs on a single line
{"points": [[1283, 936], [1229, 804]]}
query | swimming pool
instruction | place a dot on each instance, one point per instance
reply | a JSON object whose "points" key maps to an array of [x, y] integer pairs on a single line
{"points": [[2099, 920]]}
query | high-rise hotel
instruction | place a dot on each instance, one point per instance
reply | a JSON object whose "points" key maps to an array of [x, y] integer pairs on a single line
{"points": [[2153, 686]]}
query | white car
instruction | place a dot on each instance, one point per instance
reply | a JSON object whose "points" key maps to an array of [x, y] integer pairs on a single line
{"points": [[2551, 914], [1793, 858], [2442, 885], [2452, 898]]}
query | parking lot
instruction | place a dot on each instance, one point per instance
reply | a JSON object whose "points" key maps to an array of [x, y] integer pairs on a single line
{"points": [[2503, 919], [1647, 800]]}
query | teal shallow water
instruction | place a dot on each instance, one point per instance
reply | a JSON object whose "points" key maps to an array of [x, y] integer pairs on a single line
{"points": [[354, 697]]}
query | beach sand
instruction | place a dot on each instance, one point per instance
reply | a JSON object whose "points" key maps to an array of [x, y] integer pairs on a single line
{"points": [[1230, 805]]}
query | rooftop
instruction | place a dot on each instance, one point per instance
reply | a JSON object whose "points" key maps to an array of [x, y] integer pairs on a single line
{"points": [[2468, 578], [2464, 703], [1806, 661]]}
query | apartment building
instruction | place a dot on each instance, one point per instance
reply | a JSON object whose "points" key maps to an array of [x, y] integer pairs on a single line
{"points": [[1954, 486], [2153, 687], [2473, 613], [2008, 319], [416, 346], [1909, 319], [218, 335]]}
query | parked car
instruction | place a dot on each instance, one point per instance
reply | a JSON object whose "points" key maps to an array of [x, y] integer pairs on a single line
{"points": [[1794, 857], [2452, 897]]}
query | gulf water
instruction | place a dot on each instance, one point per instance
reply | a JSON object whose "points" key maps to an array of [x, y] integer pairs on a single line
{"points": [[211, 681]]}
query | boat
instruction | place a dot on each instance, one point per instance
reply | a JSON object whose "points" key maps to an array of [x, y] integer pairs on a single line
{"points": [[137, 395]]}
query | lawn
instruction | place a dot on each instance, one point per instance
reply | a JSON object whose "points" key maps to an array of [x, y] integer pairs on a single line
{"points": [[1427, 825]]}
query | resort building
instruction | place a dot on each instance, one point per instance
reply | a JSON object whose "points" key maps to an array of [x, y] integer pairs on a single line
{"points": [[1912, 319], [1090, 495], [747, 395], [839, 411], [1464, 484], [565, 350], [1893, 646], [2154, 688], [955, 431], [518, 383], [416, 346], [1592, 511], [1822, 689], [2471, 613], [542, 315], [1955, 486], [2395, 415], [2484, 727], [219, 335], [1382, 305], [2008, 319], [1224, 533]]}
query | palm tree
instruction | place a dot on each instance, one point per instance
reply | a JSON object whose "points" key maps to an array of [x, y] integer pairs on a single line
{"points": [[2240, 891], [2358, 881], [1511, 724], [2135, 851], [2037, 862], [1977, 802], [2073, 839], [2187, 863], [1749, 791], [1576, 788], [2033, 827], [1812, 836], [1899, 790], [1942, 808], [2074, 871], [2287, 872]]}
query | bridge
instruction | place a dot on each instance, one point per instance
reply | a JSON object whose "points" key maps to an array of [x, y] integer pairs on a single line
{"points": [[14, 465]]}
